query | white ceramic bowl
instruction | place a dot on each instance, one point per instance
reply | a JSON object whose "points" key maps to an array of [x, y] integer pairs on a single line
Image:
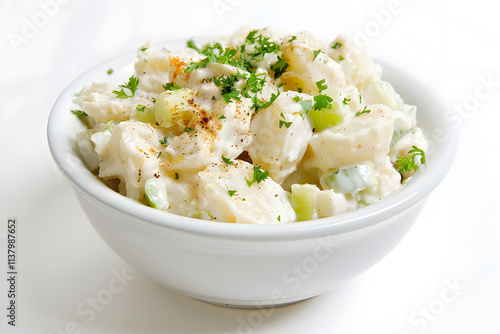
{"points": [[251, 265]]}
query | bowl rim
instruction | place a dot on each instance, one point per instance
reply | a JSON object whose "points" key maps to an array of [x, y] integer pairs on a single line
{"points": [[417, 189]]}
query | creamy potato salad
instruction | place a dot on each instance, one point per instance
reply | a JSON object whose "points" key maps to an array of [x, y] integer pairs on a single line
{"points": [[259, 127]]}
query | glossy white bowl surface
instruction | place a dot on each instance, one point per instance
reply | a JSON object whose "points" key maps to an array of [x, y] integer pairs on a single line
{"points": [[250, 265]]}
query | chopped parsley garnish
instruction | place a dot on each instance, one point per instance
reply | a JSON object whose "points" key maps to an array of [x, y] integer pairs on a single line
{"points": [[364, 111], [259, 104], [227, 86], [337, 45], [215, 49], [341, 58], [251, 36], [232, 192], [227, 160], [292, 39], [408, 164], [110, 71], [322, 101], [201, 64], [79, 112], [176, 176], [279, 67], [346, 101], [188, 129], [222, 56], [284, 122], [321, 85], [254, 84], [296, 98], [222, 117], [171, 86], [316, 53], [164, 141], [159, 154], [279, 218], [262, 45], [258, 175], [132, 84], [140, 107], [192, 45]]}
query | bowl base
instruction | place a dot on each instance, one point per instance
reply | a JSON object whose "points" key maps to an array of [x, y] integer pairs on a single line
{"points": [[252, 306]]}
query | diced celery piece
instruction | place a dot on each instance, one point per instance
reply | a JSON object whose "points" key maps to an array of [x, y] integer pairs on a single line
{"points": [[87, 150], [203, 215], [101, 138], [349, 180], [326, 118], [174, 107], [156, 194], [303, 201], [146, 116], [375, 92]]}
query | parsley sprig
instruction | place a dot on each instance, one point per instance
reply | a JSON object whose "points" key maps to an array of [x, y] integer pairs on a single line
{"points": [[259, 104], [279, 67], [132, 84], [408, 164], [255, 83], [262, 45], [322, 101], [164, 141], [171, 86], [258, 175], [227, 83], [79, 112], [191, 44], [321, 85], [337, 45], [364, 111], [316, 53], [283, 122], [227, 160], [217, 54]]}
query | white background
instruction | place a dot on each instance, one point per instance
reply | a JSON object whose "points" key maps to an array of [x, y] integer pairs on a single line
{"points": [[63, 264]]}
